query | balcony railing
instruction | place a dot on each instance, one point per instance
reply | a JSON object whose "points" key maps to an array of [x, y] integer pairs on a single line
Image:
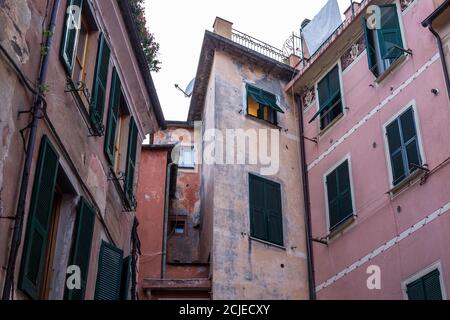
{"points": [[258, 46]]}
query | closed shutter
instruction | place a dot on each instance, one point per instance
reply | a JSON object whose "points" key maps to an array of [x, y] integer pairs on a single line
{"points": [[273, 209], [257, 208], [340, 205], [265, 210], [39, 219], [390, 35], [113, 114], [125, 282], [81, 248], [100, 79], [426, 288], [109, 273], [131, 161], [403, 146], [70, 33], [432, 286], [370, 48]]}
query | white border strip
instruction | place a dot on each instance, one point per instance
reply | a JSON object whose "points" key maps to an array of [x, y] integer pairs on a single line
{"points": [[385, 247], [374, 111]]}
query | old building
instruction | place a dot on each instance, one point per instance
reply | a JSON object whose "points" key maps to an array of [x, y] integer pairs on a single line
{"points": [[376, 114], [77, 99]]}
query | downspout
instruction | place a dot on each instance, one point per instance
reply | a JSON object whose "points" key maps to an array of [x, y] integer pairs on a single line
{"points": [[306, 197], [36, 116], [166, 220], [441, 52]]}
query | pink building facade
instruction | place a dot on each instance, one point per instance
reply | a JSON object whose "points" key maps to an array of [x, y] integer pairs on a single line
{"points": [[376, 116]]}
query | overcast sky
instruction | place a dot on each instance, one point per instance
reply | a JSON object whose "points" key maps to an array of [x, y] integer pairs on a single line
{"points": [[179, 27]]}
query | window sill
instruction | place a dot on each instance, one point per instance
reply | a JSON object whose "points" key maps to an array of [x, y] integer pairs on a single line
{"points": [[330, 125], [408, 182], [275, 126], [391, 69], [268, 243], [341, 228]]}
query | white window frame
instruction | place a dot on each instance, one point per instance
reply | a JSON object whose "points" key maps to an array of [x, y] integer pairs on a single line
{"points": [[411, 104], [350, 172], [435, 266], [181, 165]]}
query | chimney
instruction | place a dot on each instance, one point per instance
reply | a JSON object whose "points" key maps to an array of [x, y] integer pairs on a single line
{"points": [[223, 27]]}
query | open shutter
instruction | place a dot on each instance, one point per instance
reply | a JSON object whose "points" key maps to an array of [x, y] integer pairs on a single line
{"points": [[370, 48], [432, 286], [81, 248], [273, 209], [113, 114], [345, 192], [390, 35], [71, 28], [39, 219], [257, 208], [109, 274], [125, 282], [131, 161], [99, 90], [409, 137]]}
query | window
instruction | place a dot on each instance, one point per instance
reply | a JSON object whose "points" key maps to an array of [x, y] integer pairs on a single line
{"points": [[178, 227], [426, 288], [262, 105], [330, 99], [109, 274], [384, 45], [265, 210], [81, 247], [339, 196], [403, 146], [186, 160]]}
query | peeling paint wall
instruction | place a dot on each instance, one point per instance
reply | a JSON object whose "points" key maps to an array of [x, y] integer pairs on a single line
{"points": [[243, 268]]}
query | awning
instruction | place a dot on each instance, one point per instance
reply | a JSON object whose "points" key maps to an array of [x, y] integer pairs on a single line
{"points": [[263, 98]]}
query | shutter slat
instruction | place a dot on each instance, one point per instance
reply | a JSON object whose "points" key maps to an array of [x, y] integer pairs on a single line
{"points": [[113, 114], [39, 219], [81, 248], [109, 273]]}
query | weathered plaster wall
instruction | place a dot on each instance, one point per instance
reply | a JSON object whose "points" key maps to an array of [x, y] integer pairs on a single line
{"points": [[244, 268]]}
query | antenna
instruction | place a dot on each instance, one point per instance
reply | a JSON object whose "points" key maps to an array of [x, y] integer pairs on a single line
{"points": [[189, 89]]}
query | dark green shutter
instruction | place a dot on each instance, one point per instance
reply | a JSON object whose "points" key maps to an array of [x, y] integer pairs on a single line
{"points": [[39, 220], [81, 248], [273, 209], [266, 221], [257, 208], [113, 114], [340, 205], [99, 90], [109, 274], [131, 161], [370, 48], [390, 35], [70, 37], [403, 146], [426, 288], [125, 282]]}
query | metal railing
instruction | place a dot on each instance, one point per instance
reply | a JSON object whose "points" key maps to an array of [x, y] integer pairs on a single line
{"points": [[258, 46]]}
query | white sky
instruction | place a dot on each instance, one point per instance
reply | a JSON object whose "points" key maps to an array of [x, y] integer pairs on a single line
{"points": [[179, 27]]}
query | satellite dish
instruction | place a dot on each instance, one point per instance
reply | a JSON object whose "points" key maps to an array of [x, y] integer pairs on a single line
{"points": [[190, 88]]}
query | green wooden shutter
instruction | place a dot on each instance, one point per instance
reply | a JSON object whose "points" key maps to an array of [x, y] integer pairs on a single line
{"points": [[273, 209], [109, 273], [81, 248], [131, 161], [396, 152], [390, 35], [99, 90], [113, 114], [39, 220], [415, 290], [370, 48], [70, 37], [410, 141], [125, 282], [340, 204], [258, 218], [426, 288]]}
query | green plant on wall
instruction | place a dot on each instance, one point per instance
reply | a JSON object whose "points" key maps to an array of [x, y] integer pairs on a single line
{"points": [[150, 46]]}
